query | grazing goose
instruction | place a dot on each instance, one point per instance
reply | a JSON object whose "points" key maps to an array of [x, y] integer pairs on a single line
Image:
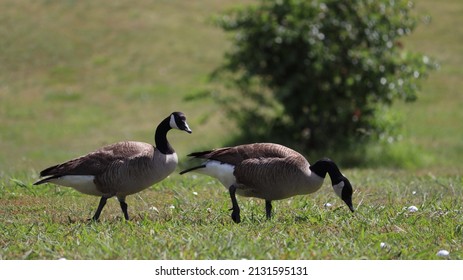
{"points": [[269, 171], [120, 169]]}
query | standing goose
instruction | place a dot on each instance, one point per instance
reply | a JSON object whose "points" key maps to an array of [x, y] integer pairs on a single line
{"points": [[120, 169], [269, 171]]}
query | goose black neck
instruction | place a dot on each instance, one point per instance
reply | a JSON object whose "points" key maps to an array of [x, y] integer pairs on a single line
{"points": [[324, 166], [160, 137]]}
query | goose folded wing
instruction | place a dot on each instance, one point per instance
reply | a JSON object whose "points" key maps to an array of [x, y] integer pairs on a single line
{"points": [[236, 155], [92, 164], [97, 162], [267, 172]]}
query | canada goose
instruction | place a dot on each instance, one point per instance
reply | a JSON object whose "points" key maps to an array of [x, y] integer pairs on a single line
{"points": [[120, 169], [269, 171]]}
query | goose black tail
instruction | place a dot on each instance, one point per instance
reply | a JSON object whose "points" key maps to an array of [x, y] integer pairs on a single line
{"points": [[45, 180], [39, 182], [192, 169], [49, 171], [199, 154]]}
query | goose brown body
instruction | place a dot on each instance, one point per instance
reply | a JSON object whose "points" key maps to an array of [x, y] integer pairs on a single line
{"points": [[120, 169], [269, 171], [266, 170]]}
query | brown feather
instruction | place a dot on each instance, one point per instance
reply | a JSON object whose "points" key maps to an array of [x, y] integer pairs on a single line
{"points": [[237, 154], [97, 162]]}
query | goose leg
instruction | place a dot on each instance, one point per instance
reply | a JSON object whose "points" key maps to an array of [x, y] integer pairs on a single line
{"points": [[123, 207], [268, 209], [100, 207], [235, 208]]}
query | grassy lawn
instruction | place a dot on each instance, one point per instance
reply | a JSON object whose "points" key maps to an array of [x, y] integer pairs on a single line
{"points": [[433, 124], [75, 75], [188, 218]]}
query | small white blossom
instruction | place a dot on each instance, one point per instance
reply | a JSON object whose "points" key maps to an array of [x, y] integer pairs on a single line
{"points": [[412, 209], [327, 204], [443, 253], [172, 207], [425, 59], [195, 193], [383, 245]]}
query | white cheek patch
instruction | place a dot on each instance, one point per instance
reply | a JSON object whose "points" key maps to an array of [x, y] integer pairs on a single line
{"points": [[172, 122], [338, 188]]}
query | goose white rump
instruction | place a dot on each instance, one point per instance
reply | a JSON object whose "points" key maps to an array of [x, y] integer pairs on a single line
{"points": [[82, 183]]}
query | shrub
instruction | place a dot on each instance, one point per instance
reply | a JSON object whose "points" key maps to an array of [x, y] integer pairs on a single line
{"points": [[316, 74]]}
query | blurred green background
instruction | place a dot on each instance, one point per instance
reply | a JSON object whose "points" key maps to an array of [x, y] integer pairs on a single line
{"points": [[76, 75]]}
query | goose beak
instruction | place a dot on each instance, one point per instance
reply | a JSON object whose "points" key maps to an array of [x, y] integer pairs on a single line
{"points": [[187, 128], [349, 204], [351, 208]]}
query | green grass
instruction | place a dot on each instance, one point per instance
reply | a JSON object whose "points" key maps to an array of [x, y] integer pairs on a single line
{"points": [[75, 75], [188, 218], [433, 124]]}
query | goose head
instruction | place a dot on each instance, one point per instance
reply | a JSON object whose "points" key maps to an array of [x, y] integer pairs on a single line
{"points": [[178, 121], [341, 185], [343, 189]]}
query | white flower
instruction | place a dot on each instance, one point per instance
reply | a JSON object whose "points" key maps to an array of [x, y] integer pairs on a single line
{"points": [[195, 193], [327, 204], [383, 245], [412, 209], [172, 207], [443, 253]]}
